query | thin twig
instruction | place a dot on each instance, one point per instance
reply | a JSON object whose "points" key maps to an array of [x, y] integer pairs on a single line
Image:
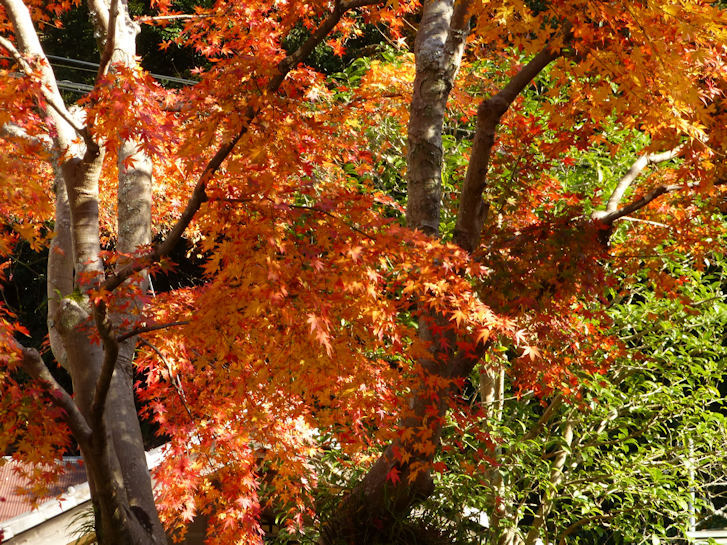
{"points": [[185, 16], [147, 329], [639, 220], [176, 383], [334, 216], [173, 378]]}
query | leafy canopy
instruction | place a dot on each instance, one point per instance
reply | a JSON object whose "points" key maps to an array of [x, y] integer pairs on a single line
{"points": [[304, 325]]}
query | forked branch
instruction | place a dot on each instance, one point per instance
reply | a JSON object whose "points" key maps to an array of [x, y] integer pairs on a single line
{"points": [[610, 214], [607, 218]]}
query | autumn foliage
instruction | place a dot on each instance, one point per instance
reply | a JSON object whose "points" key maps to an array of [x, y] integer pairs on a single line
{"points": [[332, 313]]}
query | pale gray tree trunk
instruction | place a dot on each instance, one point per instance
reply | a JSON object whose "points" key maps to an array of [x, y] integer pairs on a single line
{"points": [[102, 413]]}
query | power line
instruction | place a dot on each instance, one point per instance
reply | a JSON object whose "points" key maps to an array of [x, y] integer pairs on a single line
{"points": [[84, 88], [162, 77]]}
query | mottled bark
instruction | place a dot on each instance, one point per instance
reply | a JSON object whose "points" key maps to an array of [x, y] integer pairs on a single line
{"points": [[438, 49], [134, 233], [60, 269]]}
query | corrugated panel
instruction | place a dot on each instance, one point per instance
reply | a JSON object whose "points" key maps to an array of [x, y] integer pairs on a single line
{"points": [[13, 504]]}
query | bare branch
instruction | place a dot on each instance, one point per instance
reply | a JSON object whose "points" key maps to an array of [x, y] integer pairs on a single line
{"points": [[199, 195], [608, 218], [59, 270], [556, 476], [639, 165], [111, 352], [193, 205], [147, 329], [639, 220], [594, 518], [33, 364]]}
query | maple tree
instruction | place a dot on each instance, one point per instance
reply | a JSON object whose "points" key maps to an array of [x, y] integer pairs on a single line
{"points": [[330, 316]]}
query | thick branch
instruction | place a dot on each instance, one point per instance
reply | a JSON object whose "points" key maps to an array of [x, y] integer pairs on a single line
{"points": [[111, 352], [472, 209], [33, 365], [199, 195], [438, 50], [12, 131], [59, 278], [100, 15]]}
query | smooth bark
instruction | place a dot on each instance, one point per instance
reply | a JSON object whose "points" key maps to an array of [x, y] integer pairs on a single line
{"points": [[472, 212]]}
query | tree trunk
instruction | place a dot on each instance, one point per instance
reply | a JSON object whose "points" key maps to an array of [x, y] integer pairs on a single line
{"points": [[102, 412], [371, 512], [376, 504]]}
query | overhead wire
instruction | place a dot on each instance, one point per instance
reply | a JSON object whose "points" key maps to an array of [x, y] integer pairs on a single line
{"points": [[84, 88], [162, 77]]}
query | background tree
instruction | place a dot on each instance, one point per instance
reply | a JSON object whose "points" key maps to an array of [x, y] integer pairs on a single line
{"points": [[318, 310]]}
